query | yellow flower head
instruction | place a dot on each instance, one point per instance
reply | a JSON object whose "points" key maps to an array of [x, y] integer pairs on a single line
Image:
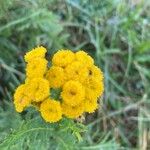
{"points": [[36, 68], [21, 101], [90, 105], [95, 72], [38, 89], [84, 58], [51, 110], [76, 71], [73, 80], [93, 88], [63, 57], [38, 52], [72, 111], [73, 93], [55, 76]]}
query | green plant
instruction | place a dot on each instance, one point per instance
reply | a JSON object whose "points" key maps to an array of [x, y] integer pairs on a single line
{"points": [[114, 32]]}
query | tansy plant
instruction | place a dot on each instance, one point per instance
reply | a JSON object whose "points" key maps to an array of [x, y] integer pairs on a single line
{"points": [[68, 88]]}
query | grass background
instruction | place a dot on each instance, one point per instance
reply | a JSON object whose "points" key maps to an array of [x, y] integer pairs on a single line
{"points": [[116, 33]]}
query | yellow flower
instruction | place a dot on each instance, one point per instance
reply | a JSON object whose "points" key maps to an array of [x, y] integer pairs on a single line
{"points": [[51, 110], [36, 68], [93, 88], [76, 71], [72, 111], [90, 105], [95, 72], [62, 58], [84, 58], [73, 93], [55, 76], [73, 80], [38, 89], [21, 101], [38, 52]]}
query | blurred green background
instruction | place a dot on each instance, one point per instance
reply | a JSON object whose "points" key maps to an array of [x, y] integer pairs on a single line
{"points": [[116, 33]]}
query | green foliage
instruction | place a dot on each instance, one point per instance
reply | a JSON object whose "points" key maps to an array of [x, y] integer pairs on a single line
{"points": [[35, 133], [116, 34], [30, 131]]}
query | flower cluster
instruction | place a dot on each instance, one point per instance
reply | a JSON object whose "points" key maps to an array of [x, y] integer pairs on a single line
{"points": [[79, 81]]}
